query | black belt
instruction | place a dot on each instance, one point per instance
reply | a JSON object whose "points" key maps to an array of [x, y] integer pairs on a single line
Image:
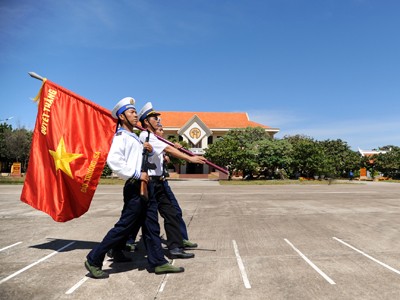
{"points": [[157, 178]]}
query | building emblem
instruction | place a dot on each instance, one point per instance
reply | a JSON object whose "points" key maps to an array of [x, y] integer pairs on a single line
{"points": [[195, 133]]}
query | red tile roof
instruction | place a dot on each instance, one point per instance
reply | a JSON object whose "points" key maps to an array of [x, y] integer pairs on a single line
{"points": [[213, 120]]}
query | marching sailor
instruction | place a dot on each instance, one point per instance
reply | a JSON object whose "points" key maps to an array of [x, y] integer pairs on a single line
{"points": [[125, 159], [175, 241]]}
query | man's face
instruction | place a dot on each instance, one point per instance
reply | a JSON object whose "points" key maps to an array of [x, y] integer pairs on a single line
{"points": [[160, 131], [153, 122], [130, 115]]}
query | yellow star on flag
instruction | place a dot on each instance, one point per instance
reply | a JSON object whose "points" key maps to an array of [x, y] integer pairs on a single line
{"points": [[62, 158]]}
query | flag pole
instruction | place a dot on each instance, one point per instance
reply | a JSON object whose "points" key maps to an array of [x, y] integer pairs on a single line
{"points": [[223, 170], [34, 75], [187, 152]]}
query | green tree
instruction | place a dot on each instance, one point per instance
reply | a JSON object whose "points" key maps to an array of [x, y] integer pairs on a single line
{"points": [[4, 153], [221, 152], [388, 163], [18, 144], [173, 160], [307, 156], [237, 150], [273, 156], [106, 171], [339, 159]]}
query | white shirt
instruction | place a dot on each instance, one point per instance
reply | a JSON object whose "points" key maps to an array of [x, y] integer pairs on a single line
{"points": [[125, 156], [158, 149]]}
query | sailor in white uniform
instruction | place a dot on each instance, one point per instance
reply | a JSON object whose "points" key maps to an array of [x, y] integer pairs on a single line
{"points": [[149, 119], [125, 159]]}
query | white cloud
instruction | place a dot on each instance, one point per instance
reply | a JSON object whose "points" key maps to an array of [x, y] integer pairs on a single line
{"points": [[275, 118]]}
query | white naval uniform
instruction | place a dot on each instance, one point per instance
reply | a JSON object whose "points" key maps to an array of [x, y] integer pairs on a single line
{"points": [[158, 149], [125, 156]]}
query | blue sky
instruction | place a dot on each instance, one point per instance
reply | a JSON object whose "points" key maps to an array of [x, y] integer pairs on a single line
{"points": [[328, 69]]}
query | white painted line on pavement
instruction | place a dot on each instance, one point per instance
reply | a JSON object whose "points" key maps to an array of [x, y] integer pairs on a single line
{"points": [[164, 283], [82, 281], [368, 256], [35, 263], [326, 277], [241, 266], [10, 246], [77, 285]]}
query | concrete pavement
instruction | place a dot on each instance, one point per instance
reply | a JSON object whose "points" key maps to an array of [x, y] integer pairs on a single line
{"points": [[255, 242]]}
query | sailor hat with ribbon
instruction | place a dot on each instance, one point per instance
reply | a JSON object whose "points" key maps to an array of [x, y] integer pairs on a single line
{"points": [[147, 111], [123, 105]]}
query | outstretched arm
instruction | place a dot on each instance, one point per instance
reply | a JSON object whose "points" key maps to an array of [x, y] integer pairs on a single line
{"points": [[178, 154]]}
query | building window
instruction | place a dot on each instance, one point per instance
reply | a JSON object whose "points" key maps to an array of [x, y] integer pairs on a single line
{"points": [[210, 140]]}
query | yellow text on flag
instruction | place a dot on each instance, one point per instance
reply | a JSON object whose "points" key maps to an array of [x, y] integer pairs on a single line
{"points": [[48, 101], [90, 171]]}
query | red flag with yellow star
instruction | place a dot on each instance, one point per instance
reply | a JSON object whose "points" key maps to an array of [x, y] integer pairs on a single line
{"points": [[70, 144]]}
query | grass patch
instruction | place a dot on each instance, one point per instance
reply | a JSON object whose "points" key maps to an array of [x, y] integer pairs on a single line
{"points": [[111, 181], [391, 180], [20, 180], [11, 180], [279, 182], [117, 181]]}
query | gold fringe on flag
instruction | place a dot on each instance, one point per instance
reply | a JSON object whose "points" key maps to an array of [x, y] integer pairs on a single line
{"points": [[37, 98]]}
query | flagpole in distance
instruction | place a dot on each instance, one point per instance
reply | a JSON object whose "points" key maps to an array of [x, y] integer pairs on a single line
{"points": [[223, 170]]}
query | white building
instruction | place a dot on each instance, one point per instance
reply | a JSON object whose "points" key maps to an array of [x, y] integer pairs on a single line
{"points": [[199, 129]]}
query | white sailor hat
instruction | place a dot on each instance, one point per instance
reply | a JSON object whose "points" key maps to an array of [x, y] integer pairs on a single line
{"points": [[146, 111], [123, 105]]}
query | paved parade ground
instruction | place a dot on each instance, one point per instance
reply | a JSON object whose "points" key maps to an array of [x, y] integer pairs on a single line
{"points": [[338, 241]]}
